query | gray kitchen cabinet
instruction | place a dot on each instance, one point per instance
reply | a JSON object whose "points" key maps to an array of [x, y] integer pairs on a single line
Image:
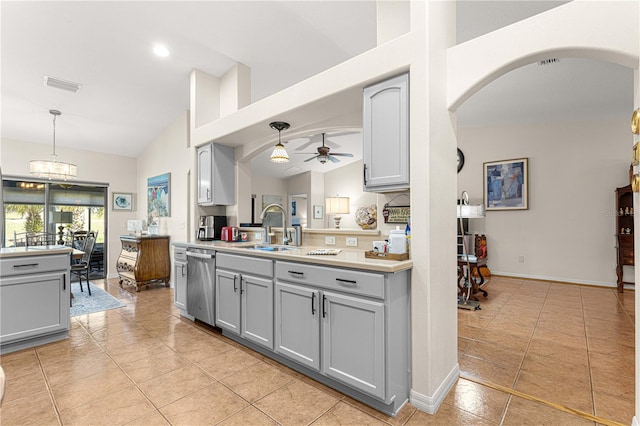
{"points": [[216, 175], [350, 326], [297, 324], [180, 279], [34, 301], [353, 342], [385, 131], [244, 297]]}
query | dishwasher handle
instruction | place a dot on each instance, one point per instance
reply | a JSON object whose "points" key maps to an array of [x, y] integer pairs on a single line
{"points": [[201, 255]]}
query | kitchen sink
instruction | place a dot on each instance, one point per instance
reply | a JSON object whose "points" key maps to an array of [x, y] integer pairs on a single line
{"points": [[271, 247]]}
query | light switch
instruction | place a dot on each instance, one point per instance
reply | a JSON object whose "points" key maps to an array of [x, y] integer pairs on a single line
{"points": [[330, 240], [352, 241]]}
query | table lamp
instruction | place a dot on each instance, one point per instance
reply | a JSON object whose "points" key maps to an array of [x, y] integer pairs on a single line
{"points": [[337, 206], [61, 218]]}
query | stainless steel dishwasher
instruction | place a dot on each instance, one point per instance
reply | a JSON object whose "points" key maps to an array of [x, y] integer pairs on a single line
{"points": [[201, 270]]}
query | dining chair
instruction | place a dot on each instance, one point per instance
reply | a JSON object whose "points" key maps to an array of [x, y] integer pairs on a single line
{"points": [[82, 267]]}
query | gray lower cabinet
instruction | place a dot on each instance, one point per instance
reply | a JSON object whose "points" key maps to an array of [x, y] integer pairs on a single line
{"points": [[180, 284], [34, 301], [350, 326], [244, 301], [353, 342], [298, 324]]}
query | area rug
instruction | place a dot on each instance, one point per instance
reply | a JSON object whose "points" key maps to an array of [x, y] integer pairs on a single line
{"points": [[83, 304]]}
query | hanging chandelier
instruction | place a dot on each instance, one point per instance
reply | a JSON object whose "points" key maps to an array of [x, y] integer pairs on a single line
{"points": [[53, 169], [279, 154]]}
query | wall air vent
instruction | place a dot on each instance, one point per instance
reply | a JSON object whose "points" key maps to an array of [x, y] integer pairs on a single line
{"points": [[549, 61], [61, 84]]}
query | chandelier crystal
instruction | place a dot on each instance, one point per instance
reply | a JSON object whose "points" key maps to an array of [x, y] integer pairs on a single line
{"points": [[53, 169]]}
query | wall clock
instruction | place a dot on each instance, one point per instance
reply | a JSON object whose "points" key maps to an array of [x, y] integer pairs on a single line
{"points": [[460, 160]]}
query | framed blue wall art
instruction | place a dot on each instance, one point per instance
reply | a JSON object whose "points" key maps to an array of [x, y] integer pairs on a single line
{"points": [[506, 184]]}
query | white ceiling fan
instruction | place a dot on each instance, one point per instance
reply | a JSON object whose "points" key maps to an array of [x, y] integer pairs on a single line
{"points": [[323, 152]]}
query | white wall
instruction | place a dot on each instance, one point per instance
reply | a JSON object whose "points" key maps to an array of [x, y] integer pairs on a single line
{"points": [[169, 153], [118, 171], [567, 234]]}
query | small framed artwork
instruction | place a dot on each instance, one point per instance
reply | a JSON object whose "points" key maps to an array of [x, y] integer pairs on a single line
{"points": [[506, 184], [318, 212], [123, 201]]}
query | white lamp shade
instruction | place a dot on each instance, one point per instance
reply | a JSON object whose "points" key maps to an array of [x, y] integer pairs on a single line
{"points": [[337, 205], [468, 211], [279, 154], [53, 169], [62, 217]]}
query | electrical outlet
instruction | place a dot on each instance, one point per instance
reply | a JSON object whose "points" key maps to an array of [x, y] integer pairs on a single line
{"points": [[521, 259], [330, 241], [352, 241], [257, 236], [181, 225]]}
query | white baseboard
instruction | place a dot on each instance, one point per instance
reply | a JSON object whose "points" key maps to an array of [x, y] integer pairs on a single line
{"points": [[634, 421], [430, 404], [557, 279]]}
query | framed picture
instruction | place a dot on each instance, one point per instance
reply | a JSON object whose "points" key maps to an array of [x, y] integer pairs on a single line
{"points": [[506, 184], [122, 201], [159, 195], [318, 212]]}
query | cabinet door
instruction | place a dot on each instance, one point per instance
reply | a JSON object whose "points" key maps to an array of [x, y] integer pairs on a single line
{"points": [[353, 342], [386, 135], [180, 285], [257, 310], [33, 305], [228, 300], [205, 195], [298, 324]]}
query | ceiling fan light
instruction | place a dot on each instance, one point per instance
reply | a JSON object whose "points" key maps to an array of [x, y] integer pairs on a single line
{"points": [[279, 154]]}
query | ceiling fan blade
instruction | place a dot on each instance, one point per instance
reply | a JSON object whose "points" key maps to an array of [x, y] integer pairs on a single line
{"points": [[333, 159], [305, 145], [309, 159], [342, 154]]}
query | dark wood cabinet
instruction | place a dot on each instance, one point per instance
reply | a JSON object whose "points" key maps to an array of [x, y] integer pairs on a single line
{"points": [[144, 260], [624, 232]]}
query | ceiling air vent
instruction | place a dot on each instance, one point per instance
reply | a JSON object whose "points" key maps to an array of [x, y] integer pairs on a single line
{"points": [[59, 83], [549, 61]]}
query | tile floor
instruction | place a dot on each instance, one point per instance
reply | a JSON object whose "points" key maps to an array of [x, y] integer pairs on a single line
{"points": [[144, 365]]}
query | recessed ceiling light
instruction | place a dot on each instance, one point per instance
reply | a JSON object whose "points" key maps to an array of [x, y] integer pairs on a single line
{"points": [[161, 51]]}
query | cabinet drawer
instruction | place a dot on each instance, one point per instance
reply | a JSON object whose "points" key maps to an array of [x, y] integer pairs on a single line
{"points": [[251, 265], [34, 264], [346, 280]]}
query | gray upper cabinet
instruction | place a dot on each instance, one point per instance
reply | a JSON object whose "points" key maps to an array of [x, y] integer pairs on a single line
{"points": [[216, 175], [386, 135]]}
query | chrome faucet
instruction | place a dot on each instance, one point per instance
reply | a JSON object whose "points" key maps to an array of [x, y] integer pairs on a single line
{"points": [[285, 238]]}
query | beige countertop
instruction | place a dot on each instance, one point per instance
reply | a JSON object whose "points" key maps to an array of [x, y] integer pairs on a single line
{"points": [[347, 258], [33, 251]]}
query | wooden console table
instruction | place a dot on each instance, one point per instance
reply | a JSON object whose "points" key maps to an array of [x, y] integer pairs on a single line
{"points": [[144, 260]]}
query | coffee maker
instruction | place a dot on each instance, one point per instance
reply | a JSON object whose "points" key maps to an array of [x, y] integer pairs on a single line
{"points": [[210, 227]]}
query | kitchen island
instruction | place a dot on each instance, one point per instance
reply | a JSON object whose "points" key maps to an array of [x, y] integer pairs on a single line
{"points": [[341, 319], [34, 296]]}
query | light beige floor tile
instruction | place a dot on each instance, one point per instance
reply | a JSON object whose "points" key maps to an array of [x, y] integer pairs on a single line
{"points": [[248, 416], [116, 408], [32, 409], [208, 405], [138, 350], [619, 408], [155, 418], [524, 412], [296, 403], [69, 368], [446, 415], [145, 369], [226, 363], [256, 381], [401, 417], [19, 364], [171, 386], [24, 386], [87, 389], [343, 413], [480, 400]]}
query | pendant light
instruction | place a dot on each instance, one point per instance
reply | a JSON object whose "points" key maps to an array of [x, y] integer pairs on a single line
{"points": [[279, 154], [53, 169]]}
